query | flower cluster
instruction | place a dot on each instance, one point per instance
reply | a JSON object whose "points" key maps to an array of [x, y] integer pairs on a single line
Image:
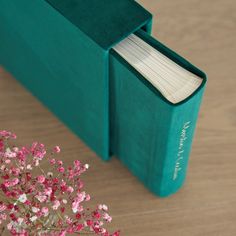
{"points": [[45, 201]]}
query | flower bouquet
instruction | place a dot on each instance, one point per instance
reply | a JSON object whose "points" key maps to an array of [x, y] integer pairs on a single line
{"points": [[44, 202]]}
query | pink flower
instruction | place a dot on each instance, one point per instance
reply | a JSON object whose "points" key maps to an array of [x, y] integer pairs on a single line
{"points": [[70, 189], [75, 206], [62, 233], [77, 163], [56, 204], [15, 171], [2, 207], [48, 191], [79, 227], [15, 149], [15, 181], [9, 153], [56, 149], [52, 161], [68, 220], [40, 179], [38, 151], [87, 198], [3, 216], [27, 202], [117, 233], [1, 145], [61, 169], [103, 207], [107, 217], [89, 222], [45, 196], [7, 134], [96, 214], [81, 196], [60, 163], [11, 183], [45, 211], [41, 197]]}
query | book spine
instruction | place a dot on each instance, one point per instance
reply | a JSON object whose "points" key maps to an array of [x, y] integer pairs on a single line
{"points": [[174, 156]]}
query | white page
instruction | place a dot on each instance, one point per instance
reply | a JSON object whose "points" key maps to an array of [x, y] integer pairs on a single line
{"points": [[174, 82]]}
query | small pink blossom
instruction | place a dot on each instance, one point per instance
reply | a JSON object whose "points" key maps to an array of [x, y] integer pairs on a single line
{"points": [[77, 163], [55, 205], [56, 149], [48, 191], [40, 179], [61, 169], [41, 197], [7, 134], [103, 207], [62, 233], [45, 211], [15, 149], [11, 183], [59, 162], [70, 189], [53, 161], [3, 216], [15, 181], [87, 198], [3, 207], [107, 217], [9, 153], [45, 195], [1, 145], [15, 171]]}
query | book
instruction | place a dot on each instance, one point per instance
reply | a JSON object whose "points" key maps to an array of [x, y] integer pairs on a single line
{"points": [[155, 98], [59, 50]]}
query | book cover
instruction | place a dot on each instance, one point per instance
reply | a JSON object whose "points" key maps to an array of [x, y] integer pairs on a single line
{"points": [[150, 135]]}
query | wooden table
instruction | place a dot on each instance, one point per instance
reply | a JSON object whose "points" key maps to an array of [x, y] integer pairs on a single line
{"points": [[205, 33]]}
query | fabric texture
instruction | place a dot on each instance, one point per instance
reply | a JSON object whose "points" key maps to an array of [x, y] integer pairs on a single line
{"points": [[146, 129], [106, 22], [59, 51]]}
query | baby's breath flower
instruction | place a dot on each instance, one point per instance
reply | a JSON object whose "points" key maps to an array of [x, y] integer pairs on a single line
{"points": [[22, 198], [53, 197], [33, 218]]}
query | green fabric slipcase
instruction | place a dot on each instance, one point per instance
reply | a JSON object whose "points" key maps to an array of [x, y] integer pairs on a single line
{"points": [[59, 50]]}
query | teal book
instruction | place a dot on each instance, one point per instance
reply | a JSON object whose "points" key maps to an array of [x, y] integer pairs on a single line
{"points": [[59, 50], [152, 127]]}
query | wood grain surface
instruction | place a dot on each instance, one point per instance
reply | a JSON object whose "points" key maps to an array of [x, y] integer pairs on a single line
{"points": [[205, 33]]}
